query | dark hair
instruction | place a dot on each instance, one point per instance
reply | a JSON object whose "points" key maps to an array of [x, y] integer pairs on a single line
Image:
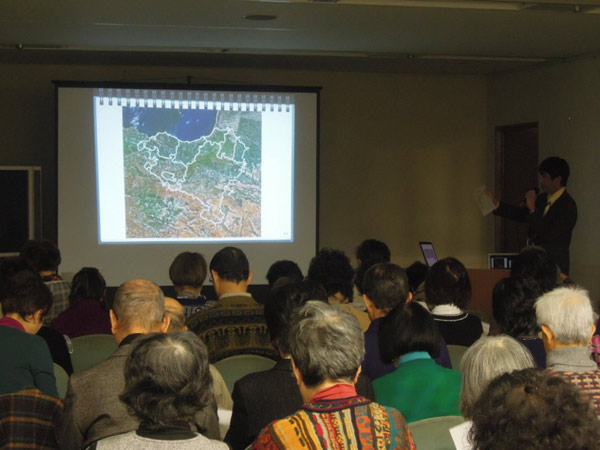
{"points": [[167, 379], [448, 282], [408, 328], [364, 267], [332, 269], [283, 268], [188, 269], [24, 293], [535, 262], [386, 285], [231, 264], [41, 255], [88, 283], [372, 249], [555, 167], [416, 273], [513, 301], [10, 266], [280, 307], [535, 410]]}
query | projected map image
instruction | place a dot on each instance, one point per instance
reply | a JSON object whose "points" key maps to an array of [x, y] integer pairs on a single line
{"points": [[192, 173]]}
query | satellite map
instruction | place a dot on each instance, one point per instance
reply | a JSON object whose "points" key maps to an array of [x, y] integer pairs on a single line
{"points": [[192, 173]]}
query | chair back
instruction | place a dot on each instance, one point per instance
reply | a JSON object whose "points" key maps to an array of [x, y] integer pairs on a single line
{"points": [[434, 433], [62, 380], [456, 353], [91, 349], [235, 367]]}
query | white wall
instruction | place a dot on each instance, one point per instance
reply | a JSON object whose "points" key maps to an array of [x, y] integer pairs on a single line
{"points": [[565, 100]]}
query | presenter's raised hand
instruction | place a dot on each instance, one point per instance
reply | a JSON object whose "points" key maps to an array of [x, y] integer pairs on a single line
{"points": [[492, 197]]}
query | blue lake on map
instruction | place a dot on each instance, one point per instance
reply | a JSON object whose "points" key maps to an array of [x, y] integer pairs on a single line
{"points": [[186, 125]]}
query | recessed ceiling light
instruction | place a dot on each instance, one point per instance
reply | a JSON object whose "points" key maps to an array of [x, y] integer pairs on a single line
{"points": [[260, 17]]}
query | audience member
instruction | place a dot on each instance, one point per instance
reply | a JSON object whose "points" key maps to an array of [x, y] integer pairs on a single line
{"points": [[93, 410], [483, 361], [187, 273], [253, 407], [418, 388], [167, 382], [513, 301], [567, 321], [87, 313], [236, 325], [26, 360], [284, 268], [176, 313], [386, 287], [416, 273], [44, 258], [534, 262], [327, 347], [448, 293], [534, 410], [372, 250], [332, 269]]}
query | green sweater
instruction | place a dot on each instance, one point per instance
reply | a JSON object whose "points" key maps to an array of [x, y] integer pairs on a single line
{"points": [[419, 388]]}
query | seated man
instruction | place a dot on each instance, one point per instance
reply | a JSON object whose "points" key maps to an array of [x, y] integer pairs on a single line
{"points": [[327, 348], [44, 258], [187, 273], [252, 409], [236, 325], [385, 286], [93, 409], [567, 321]]}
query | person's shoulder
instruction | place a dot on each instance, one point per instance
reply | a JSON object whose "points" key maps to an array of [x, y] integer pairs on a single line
{"points": [[110, 367]]}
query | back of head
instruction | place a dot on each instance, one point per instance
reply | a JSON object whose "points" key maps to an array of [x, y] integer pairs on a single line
{"points": [[24, 293], [386, 285], [167, 379], [568, 313], [486, 359], [140, 304], [363, 268], [333, 270], [188, 269], [416, 273], [176, 313], [408, 328], [513, 301], [231, 264], [534, 262], [284, 268], [88, 283], [448, 282], [326, 343], [555, 167], [535, 410], [373, 250], [41, 255], [281, 305]]}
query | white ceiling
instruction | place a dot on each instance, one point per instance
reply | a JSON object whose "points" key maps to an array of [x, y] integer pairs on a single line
{"points": [[402, 35]]}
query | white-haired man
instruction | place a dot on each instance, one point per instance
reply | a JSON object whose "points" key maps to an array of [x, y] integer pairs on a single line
{"points": [[566, 319], [93, 409]]}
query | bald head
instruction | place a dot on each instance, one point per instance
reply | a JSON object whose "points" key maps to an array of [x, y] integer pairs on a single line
{"points": [[176, 312], [139, 307]]}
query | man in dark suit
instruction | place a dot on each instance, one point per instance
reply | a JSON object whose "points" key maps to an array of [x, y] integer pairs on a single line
{"points": [[93, 409], [551, 215]]}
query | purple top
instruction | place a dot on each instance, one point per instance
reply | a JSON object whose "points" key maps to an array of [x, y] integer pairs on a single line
{"points": [[85, 316], [374, 367]]}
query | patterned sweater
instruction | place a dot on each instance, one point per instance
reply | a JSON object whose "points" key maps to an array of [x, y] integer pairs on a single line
{"points": [[349, 423]]}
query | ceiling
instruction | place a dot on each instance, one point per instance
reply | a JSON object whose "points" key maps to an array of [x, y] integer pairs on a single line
{"points": [[437, 36]]}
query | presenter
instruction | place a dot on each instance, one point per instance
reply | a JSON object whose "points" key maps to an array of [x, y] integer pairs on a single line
{"points": [[551, 214]]}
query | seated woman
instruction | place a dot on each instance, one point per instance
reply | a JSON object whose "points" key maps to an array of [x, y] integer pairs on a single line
{"points": [[448, 293], [167, 381], [513, 301], [418, 388], [535, 410], [26, 360], [87, 313]]}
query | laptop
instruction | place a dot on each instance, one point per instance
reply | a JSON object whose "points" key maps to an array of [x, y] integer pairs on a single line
{"points": [[428, 253]]}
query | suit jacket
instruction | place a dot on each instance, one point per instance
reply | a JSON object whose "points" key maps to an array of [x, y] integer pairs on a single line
{"points": [[260, 398], [553, 231], [94, 411]]}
